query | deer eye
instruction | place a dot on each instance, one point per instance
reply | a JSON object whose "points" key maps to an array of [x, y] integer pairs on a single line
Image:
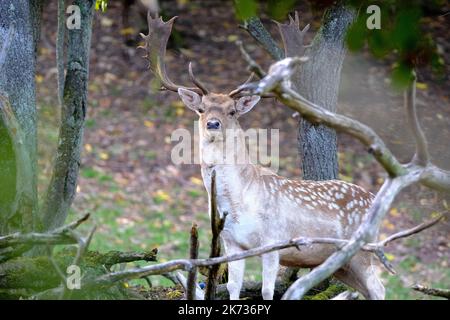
{"points": [[232, 112], [200, 110]]}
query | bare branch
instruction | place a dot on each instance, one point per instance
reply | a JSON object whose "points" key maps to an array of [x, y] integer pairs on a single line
{"points": [[83, 244], [58, 270], [444, 293], [421, 156], [253, 66], [188, 264], [61, 235], [436, 178], [257, 30], [409, 232], [275, 81], [217, 224], [115, 257], [192, 275]]}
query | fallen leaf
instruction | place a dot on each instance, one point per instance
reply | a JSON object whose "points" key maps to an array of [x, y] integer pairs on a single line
{"points": [[104, 156], [196, 181], [421, 86], [394, 212], [390, 256], [149, 124], [127, 31]]}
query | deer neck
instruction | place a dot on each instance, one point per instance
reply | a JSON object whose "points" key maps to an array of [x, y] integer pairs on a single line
{"points": [[228, 159]]}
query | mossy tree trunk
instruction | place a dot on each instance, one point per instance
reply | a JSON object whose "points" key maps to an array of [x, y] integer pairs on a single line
{"points": [[19, 34], [63, 183]]}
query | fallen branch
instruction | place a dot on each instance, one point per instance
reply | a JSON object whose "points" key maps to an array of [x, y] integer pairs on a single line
{"points": [[62, 235], [116, 257], [444, 293], [188, 264]]}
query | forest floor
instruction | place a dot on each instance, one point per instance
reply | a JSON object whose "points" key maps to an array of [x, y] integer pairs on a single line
{"points": [[140, 200]]}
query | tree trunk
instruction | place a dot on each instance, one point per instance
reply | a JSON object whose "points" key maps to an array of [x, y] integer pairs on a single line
{"points": [[63, 183], [19, 34], [318, 81]]}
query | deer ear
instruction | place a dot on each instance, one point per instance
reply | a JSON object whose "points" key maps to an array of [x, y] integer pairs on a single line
{"points": [[191, 99], [245, 104]]}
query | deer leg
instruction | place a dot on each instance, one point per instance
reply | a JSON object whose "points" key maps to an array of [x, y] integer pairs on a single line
{"points": [[235, 278], [235, 271], [270, 265]]}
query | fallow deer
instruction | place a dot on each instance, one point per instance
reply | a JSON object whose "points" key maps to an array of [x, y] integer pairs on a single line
{"points": [[262, 206]]}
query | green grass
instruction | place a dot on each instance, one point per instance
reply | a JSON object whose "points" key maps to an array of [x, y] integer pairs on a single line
{"points": [[398, 287]]}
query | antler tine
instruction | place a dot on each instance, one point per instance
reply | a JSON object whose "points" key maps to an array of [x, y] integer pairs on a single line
{"points": [[292, 36], [238, 89], [197, 82], [155, 46]]}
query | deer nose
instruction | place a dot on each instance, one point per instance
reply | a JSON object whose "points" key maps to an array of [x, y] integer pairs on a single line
{"points": [[213, 124]]}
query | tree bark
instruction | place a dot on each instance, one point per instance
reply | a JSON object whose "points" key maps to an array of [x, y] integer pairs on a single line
{"points": [[18, 210], [63, 183], [318, 81]]}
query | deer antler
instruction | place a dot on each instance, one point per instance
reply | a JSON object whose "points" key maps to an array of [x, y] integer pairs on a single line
{"points": [[292, 36], [155, 45], [197, 82]]}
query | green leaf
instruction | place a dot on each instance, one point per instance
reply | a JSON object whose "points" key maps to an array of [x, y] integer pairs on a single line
{"points": [[245, 9], [278, 10], [101, 5], [379, 43], [401, 76], [356, 35], [406, 33]]}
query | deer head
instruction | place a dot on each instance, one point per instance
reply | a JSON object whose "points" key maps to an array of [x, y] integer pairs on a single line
{"points": [[218, 113]]}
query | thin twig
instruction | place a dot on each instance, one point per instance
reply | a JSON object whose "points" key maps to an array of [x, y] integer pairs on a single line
{"points": [[253, 66], [83, 244], [257, 30], [421, 156], [409, 232]]}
